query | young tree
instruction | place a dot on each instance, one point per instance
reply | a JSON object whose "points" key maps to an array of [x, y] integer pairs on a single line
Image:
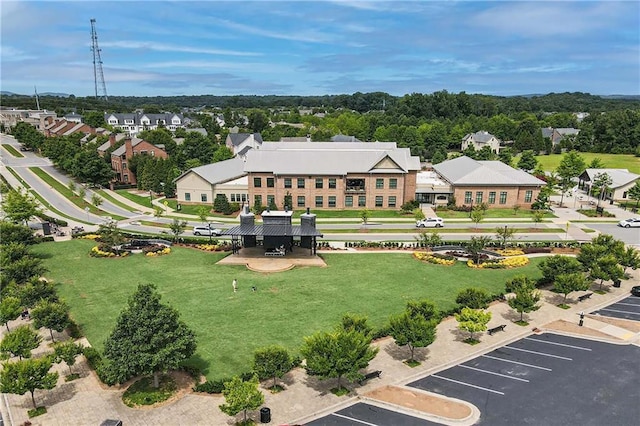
{"points": [[338, 354], [221, 204], [288, 201], [148, 338], [203, 213], [518, 282], [606, 268], [20, 342], [570, 167], [271, 362], [630, 258], [353, 322], [567, 283], [505, 234], [596, 163], [67, 352], [177, 227], [418, 214], [474, 298], [111, 235], [537, 216], [51, 315], [241, 396], [430, 239], [423, 308], [477, 214], [525, 300], [365, 214], [27, 376], [96, 200], [414, 331], [527, 161], [634, 193], [476, 245], [554, 266], [473, 321], [19, 206], [10, 308]]}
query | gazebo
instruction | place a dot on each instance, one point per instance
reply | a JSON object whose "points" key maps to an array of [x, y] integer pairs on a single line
{"points": [[276, 234]]}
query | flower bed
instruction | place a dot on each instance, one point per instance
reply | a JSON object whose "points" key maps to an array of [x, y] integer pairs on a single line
{"points": [[510, 252], [99, 251], [89, 237], [509, 262], [437, 259], [156, 250]]}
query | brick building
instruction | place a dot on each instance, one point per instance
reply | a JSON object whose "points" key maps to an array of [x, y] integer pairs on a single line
{"points": [[132, 146]]}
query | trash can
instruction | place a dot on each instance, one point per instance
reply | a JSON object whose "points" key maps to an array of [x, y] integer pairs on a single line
{"points": [[46, 228], [616, 283], [265, 415]]}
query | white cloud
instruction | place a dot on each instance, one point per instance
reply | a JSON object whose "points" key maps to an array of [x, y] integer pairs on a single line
{"points": [[165, 47], [9, 53]]}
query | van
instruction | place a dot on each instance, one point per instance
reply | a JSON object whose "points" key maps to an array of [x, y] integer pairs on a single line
{"points": [[207, 231]]}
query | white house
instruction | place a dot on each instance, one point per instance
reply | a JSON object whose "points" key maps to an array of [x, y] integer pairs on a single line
{"points": [[621, 181], [134, 123], [481, 139]]}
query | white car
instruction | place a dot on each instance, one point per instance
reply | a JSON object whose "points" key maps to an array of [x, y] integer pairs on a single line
{"points": [[430, 222], [205, 230], [634, 222]]}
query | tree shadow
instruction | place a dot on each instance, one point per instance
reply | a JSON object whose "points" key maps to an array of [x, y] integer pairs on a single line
{"points": [[323, 387], [555, 298], [60, 393], [460, 335], [403, 353], [512, 316]]}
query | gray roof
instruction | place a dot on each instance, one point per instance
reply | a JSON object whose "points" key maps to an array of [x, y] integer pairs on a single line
{"points": [[481, 136], [619, 177], [200, 130], [238, 138], [547, 132], [467, 171], [122, 149], [220, 172], [567, 131], [136, 117], [329, 158], [274, 230], [344, 138]]}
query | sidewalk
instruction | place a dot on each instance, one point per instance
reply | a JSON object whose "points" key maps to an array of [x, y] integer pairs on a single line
{"points": [[86, 401]]}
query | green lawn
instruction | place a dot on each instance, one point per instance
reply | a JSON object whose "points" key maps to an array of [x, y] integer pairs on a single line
{"points": [[354, 214], [193, 209], [610, 161], [112, 200], [143, 200], [287, 306], [12, 150], [491, 213]]}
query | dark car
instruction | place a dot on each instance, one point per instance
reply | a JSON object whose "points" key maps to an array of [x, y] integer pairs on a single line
{"points": [[635, 290]]}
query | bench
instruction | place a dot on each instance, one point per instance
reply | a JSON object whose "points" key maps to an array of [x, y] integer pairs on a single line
{"points": [[584, 297], [371, 375], [274, 253], [496, 329]]}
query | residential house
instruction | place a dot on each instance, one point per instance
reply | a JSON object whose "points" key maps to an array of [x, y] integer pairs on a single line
{"points": [[64, 127], [479, 140], [114, 139], [202, 184], [120, 158], [557, 135], [621, 181], [475, 182], [37, 118], [240, 143], [332, 175], [77, 118], [344, 138], [134, 123]]}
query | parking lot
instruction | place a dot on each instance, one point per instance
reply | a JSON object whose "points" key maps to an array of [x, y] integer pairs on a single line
{"points": [[628, 308], [367, 414], [547, 379]]}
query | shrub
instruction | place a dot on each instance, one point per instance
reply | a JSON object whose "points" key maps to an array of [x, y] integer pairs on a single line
{"points": [[474, 298], [409, 206], [211, 386]]}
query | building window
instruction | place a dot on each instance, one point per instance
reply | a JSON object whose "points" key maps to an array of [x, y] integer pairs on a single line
{"points": [[624, 194], [467, 197], [257, 200], [379, 183], [479, 197], [393, 183], [348, 201], [233, 198], [492, 197], [244, 197], [378, 200], [187, 196], [318, 183], [301, 201], [332, 201], [271, 200], [392, 201], [503, 197], [300, 183], [203, 198], [271, 182], [257, 182], [332, 184], [287, 182], [362, 201], [124, 167], [126, 178], [528, 196], [319, 201]]}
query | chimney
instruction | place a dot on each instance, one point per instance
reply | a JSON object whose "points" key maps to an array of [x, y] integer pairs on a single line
{"points": [[112, 139]]}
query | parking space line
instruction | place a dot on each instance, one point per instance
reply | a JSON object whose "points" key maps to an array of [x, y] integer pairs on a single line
{"points": [[467, 384], [517, 362], [539, 353], [494, 373], [627, 304], [559, 344], [622, 312], [352, 419]]}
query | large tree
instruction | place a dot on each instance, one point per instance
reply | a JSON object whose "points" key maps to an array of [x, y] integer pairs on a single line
{"points": [[148, 338], [570, 167], [67, 352], [338, 354], [554, 266], [606, 268], [271, 362], [27, 376], [51, 315], [568, 283], [241, 396], [20, 342], [20, 206]]}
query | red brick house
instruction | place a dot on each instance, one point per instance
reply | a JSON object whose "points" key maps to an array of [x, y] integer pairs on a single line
{"points": [[121, 156]]}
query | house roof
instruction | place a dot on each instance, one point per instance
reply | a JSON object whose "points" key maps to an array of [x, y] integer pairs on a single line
{"points": [[122, 149], [237, 138], [344, 138], [619, 177], [330, 158], [467, 171], [547, 132], [481, 137], [222, 171], [274, 229]]}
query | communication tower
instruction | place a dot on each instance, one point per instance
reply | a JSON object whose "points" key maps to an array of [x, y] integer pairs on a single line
{"points": [[98, 74]]}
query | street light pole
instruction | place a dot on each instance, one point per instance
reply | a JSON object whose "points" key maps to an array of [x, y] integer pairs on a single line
{"points": [[209, 226]]}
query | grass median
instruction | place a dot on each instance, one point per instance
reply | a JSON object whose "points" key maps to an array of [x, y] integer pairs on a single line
{"points": [[287, 306], [11, 150]]}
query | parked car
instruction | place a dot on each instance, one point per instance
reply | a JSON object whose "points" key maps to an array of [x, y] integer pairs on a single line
{"points": [[634, 222], [205, 230], [635, 290], [430, 222]]}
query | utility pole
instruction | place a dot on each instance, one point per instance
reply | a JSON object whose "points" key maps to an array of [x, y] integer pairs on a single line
{"points": [[98, 74]]}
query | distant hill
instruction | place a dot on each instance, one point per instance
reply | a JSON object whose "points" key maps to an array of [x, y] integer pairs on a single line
{"points": [[54, 94], [5, 93]]}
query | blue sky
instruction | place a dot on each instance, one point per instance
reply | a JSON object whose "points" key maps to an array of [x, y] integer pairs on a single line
{"points": [[322, 47]]}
